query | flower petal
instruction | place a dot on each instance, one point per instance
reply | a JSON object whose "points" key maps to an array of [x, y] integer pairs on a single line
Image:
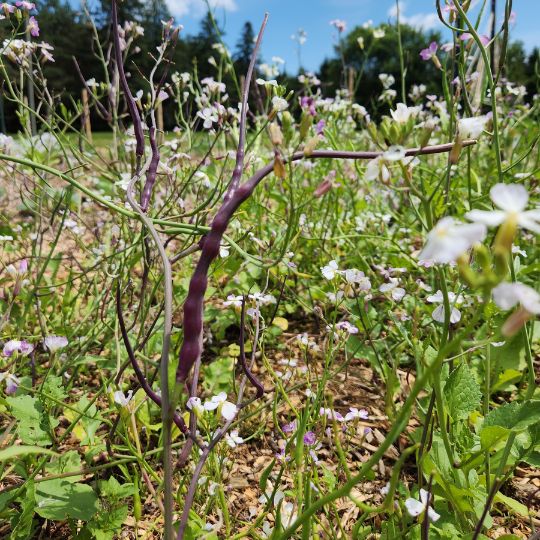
{"points": [[509, 197], [490, 218]]}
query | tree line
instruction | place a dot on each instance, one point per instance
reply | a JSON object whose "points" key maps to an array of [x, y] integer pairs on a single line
{"points": [[359, 59]]}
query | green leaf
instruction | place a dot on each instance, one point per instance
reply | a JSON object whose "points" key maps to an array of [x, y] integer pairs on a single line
{"points": [[22, 522], [462, 392], [54, 386], [265, 475], [33, 421], [22, 450], [514, 416], [512, 504], [60, 500], [66, 463]]}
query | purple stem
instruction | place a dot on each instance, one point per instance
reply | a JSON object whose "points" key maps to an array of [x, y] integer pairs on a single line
{"points": [[191, 349], [242, 359], [152, 171], [178, 420], [132, 106], [240, 152]]}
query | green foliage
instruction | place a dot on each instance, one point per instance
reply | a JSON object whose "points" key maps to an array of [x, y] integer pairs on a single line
{"points": [[462, 392], [33, 424]]}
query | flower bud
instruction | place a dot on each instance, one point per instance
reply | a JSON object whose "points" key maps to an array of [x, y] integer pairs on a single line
{"points": [[276, 136]]}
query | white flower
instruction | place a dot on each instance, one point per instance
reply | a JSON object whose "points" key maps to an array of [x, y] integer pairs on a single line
{"points": [[330, 270], [403, 113], [288, 515], [209, 116], [53, 343], [224, 250], [194, 404], [376, 168], [385, 490], [279, 104], [512, 200], [122, 399], [352, 275], [17, 345], [233, 300], [392, 286], [507, 295], [228, 409], [386, 80], [438, 312], [233, 439], [471, 128], [415, 508], [394, 153], [449, 239], [378, 33]]}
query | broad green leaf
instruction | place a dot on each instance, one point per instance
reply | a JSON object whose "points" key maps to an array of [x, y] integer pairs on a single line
{"points": [[462, 392], [22, 450], [506, 378], [60, 500], [66, 463], [33, 421]]}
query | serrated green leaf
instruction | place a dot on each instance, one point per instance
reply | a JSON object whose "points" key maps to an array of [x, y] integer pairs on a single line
{"points": [[514, 416], [54, 387], [33, 421], [462, 392]]}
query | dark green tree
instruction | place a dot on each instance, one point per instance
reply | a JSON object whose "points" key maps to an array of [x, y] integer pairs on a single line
{"points": [[244, 48], [380, 56]]}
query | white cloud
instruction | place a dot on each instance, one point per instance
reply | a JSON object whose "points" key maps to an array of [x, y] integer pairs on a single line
{"points": [[422, 21], [425, 21], [196, 8]]}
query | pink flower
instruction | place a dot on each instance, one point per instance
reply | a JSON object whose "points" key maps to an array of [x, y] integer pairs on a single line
{"points": [[7, 8], [429, 52], [26, 5], [483, 38], [33, 26]]}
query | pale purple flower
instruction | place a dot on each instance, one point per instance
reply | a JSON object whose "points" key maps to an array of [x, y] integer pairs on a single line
{"points": [[7, 8], [354, 413], [346, 326], [53, 343], [20, 346], [123, 399], [319, 128], [12, 382], [310, 438], [33, 26], [289, 428], [483, 38], [429, 52], [29, 6], [307, 102]]}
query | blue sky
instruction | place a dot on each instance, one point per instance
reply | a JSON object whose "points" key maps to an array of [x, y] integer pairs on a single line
{"points": [[287, 16]]}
